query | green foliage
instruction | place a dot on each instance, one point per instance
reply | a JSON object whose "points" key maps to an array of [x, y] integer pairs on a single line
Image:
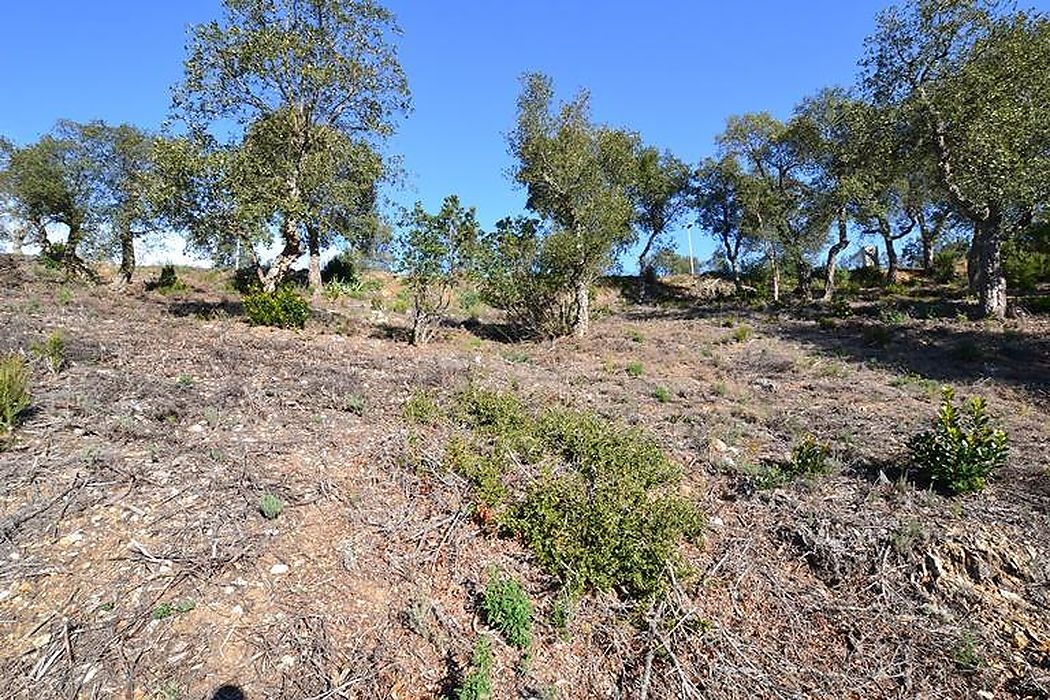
{"points": [[482, 471], [270, 506], [341, 269], [742, 334], [962, 450], [666, 261], [52, 351], [168, 282], [436, 252], [809, 459], [283, 308], [165, 610], [14, 390], [1024, 267], [421, 408], [53, 255], [507, 609], [945, 262], [578, 177], [477, 684], [610, 518], [662, 394], [635, 368]]}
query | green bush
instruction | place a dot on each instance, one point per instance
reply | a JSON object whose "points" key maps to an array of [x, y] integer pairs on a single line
{"points": [[508, 610], [168, 282], [54, 256], [421, 408], [635, 368], [52, 351], [944, 264], [809, 458], [1024, 268], [477, 684], [14, 390], [962, 450], [610, 518], [342, 269], [284, 308], [270, 506]]}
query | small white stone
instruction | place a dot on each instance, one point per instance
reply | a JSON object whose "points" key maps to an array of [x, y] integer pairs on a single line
{"points": [[716, 521], [278, 569], [237, 610]]}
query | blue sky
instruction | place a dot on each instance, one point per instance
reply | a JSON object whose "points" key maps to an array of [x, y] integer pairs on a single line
{"points": [[671, 70]]}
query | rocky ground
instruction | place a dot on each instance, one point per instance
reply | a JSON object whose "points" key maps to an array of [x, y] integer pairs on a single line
{"points": [[135, 563]]}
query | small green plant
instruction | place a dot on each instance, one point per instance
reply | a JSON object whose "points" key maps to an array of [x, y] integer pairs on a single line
{"points": [[662, 394], [841, 308], [270, 506], [14, 390], [52, 351], [507, 609], [184, 381], [66, 296], [165, 610], [636, 337], [355, 404], [421, 408], [967, 655], [742, 334], [168, 282], [284, 308], [962, 450], [635, 368], [809, 457], [477, 683]]}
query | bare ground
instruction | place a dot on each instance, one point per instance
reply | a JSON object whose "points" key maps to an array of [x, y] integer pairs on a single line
{"points": [[134, 561]]}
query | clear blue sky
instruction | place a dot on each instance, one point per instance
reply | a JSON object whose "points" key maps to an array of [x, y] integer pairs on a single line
{"points": [[671, 70]]}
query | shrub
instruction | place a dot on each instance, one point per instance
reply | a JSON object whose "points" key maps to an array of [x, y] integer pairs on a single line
{"points": [[609, 519], [477, 684], [421, 408], [342, 269], [270, 506], [168, 282], [53, 256], [809, 457], [662, 394], [14, 390], [741, 334], [962, 450], [635, 368], [284, 308], [52, 351], [508, 610], [944, 263]]}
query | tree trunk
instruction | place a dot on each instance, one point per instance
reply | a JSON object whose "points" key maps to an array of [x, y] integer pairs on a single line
{"points": [[282, 265], [734, 267], [992, 286], [891, 250], [644, 270], [833, 257], [583, 309], [18, 239], [314, 244], [926, 239], [974, 274], [127, 258], [774, 270]]}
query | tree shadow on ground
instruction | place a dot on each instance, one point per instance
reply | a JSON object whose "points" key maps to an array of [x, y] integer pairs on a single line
{"points": [[506, 333], [184, 308], [228, 692], [658, 291], [933, 352]]}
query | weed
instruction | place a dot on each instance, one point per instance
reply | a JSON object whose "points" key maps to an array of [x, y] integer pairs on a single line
{"points": [[166, 610], [284, 308], [662, 394], [65, 296], [742, 334], [421, 408], [52, 351], [184, 381], [477, 684], [809, 458], [636, 337], [355, 404], [508, 610], [720, 388], [14, 390], [518, 357], [962, 450], [967, 655], [635, 368], [841, 308], [270, 506]]}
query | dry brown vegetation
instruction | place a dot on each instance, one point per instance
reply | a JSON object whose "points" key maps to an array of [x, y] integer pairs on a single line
{"points": [[134, 561]]}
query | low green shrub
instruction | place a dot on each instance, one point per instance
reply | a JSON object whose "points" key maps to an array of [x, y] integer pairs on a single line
{"points": [[270, 506], [421, 408], [283, 308], [167, 282], [52, 351], [609, 519], [507, 609], [477, 683], [962, 450], [14, 390], [635, 368]]}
